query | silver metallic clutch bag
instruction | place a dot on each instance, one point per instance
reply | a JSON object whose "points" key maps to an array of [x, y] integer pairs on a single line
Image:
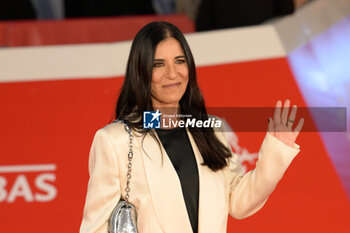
{"points": [[123, 217]]}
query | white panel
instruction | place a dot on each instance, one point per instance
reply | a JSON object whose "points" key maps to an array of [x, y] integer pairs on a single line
{"points": [[235, 45], [62, 62], [109, 59]]}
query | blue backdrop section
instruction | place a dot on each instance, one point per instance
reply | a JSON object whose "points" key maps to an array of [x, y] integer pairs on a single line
{"points": [[322, 71]]}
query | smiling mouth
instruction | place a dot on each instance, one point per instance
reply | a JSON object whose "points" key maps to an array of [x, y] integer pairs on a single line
{"points": [[172, 85]]}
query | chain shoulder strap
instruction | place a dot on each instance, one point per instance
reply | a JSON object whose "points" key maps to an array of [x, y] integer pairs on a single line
{"points": [[130, 156]]}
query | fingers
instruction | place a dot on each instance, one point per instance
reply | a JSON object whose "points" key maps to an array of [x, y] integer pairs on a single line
{"points": [[285, 112], [281, 117], [292, 116], [277, 113], [299, 126]]}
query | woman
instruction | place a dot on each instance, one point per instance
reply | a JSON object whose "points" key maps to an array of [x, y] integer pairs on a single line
{"points": [[183, 180]]}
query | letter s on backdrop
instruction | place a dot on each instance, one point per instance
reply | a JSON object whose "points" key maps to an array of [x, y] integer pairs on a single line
{"points": [[40, 183]]}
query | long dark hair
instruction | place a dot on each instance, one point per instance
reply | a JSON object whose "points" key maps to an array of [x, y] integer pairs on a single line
{"points": [[135, 95]]}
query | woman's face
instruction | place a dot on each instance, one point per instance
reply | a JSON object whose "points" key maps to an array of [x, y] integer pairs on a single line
{"points": [[170, 74]]}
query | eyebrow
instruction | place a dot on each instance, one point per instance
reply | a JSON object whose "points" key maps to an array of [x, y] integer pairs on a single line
{"points": [[177, 57], [181, 56]]}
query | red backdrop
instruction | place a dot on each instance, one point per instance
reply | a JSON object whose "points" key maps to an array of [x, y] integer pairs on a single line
{"points": [[53, 122]]}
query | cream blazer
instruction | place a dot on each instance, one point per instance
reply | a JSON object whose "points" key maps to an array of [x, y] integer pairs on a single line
{"points": [[156, 189]]}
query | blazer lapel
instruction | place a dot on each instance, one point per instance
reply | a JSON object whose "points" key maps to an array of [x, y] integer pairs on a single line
{"points": [[165, 188], [212, 211]]}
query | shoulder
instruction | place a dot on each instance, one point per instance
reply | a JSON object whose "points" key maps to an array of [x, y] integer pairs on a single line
{"points": [[113, 128], [114, 131]]}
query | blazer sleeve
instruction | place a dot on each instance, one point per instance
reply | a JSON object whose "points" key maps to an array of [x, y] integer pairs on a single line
{"points": [[103, 192], [249, 192]]}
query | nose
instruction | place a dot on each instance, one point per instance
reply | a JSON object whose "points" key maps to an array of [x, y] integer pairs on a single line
{"points": [[171, 71]]}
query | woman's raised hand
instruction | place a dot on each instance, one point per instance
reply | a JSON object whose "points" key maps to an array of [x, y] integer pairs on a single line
{"points": [[282, 123]]}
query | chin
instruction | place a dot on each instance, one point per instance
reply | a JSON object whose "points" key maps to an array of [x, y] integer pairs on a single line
{"points": [[172, 101]]}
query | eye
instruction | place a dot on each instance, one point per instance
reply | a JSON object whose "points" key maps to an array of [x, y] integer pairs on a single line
{"points": [[157, 64], [180, 61]]}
